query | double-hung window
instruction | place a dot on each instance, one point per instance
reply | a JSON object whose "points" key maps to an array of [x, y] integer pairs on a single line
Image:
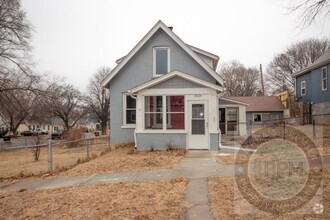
{"points": [[303, 88], [129, 110], [324, 76], [161, 60]]}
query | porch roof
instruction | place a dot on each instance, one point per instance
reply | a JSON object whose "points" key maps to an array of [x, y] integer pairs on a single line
{"points": [[260, 103], [171, 75]]}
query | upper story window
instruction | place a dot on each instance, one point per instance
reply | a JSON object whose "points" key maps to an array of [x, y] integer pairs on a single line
{"points": [[161, 60], [324, 82], [303, 88]]}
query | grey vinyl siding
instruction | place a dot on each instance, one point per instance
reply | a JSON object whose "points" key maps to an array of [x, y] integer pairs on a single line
{"points": [[161, 141], [314, 91], [274, 116], [139, 70], [175, 83]]}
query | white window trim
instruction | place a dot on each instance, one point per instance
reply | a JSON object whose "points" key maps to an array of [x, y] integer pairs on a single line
{"points": [[125, 125], [326, 79], [164, 112], [154, 60], [301, 88]]}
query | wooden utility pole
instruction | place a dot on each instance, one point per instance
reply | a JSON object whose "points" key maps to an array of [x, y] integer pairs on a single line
{"points": [[262, 81]]}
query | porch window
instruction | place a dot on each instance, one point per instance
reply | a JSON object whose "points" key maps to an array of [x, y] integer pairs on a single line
{"points": [[303, 87], [161, 60], [174, 112], [324, 79], [129, 117], [164, 112], [153, 112]]}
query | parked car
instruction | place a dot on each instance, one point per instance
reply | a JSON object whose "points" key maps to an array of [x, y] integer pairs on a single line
{"points": [[3, 133], [38, 131], [57, 135], [6, 138], [97, 133], [45, 132], [27, 133]]}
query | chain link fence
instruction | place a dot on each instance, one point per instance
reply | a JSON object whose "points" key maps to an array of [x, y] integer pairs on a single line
{"points": [[47, 158]]}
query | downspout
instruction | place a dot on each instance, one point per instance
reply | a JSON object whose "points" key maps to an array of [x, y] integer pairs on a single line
{"points": [[218, 96], [135, 139]]}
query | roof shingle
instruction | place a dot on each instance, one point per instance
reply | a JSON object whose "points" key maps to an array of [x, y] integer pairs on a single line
{"points": [[259, 103]]}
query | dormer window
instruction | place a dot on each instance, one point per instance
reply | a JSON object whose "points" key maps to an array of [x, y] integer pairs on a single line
{"points": [[161, 60]]}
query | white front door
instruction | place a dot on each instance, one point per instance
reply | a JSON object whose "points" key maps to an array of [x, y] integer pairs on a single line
{"points": [[198, 125]]}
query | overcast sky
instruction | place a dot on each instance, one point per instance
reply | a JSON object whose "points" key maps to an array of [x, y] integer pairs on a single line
{"points": [[73, 38]]}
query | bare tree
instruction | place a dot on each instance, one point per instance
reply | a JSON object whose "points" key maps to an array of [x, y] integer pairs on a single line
{"points": [[293, 59], [310, 10], [67, 103], [15, 33], [15, 49], [16, 107], [239, 80], [99, 98]]}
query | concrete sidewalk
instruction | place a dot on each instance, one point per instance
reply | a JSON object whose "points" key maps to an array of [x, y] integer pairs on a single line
{"points": [[196, 166]]}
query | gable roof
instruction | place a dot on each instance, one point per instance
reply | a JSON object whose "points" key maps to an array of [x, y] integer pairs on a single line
{"points": [[321, 61], [171, 75], [170, 33], [260, 103]]}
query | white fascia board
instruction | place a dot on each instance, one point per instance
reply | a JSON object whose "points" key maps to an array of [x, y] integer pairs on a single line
{"points": [[205, 53]]}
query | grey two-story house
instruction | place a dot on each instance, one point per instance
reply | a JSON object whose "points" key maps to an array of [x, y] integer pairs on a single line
{"points": [[312, 85], [164, 93]]}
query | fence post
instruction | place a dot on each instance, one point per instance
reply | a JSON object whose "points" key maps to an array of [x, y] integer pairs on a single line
{"points": [[284, 129], [87, 148], [314, 132], [50, 158]]}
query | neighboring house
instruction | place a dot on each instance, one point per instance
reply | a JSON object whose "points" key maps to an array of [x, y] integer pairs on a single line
{"points": [[164, 93], [257, 110], [55, 124], [312, 85], [284, 97]]}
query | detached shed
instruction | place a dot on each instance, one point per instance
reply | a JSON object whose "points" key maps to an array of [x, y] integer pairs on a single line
{"points": [[262, 109]]}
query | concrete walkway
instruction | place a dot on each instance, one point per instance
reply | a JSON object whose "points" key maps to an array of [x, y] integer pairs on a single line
{"points": [[196, 166]]}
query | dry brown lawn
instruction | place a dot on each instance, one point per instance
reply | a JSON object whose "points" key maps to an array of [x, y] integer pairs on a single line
{"points": [[125, 158], [322, 140], [20, 163], [232, 158], [226, 204], [147, 200]]}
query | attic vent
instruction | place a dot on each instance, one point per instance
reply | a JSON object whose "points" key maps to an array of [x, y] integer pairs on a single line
{"points": [[171, 28]]}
